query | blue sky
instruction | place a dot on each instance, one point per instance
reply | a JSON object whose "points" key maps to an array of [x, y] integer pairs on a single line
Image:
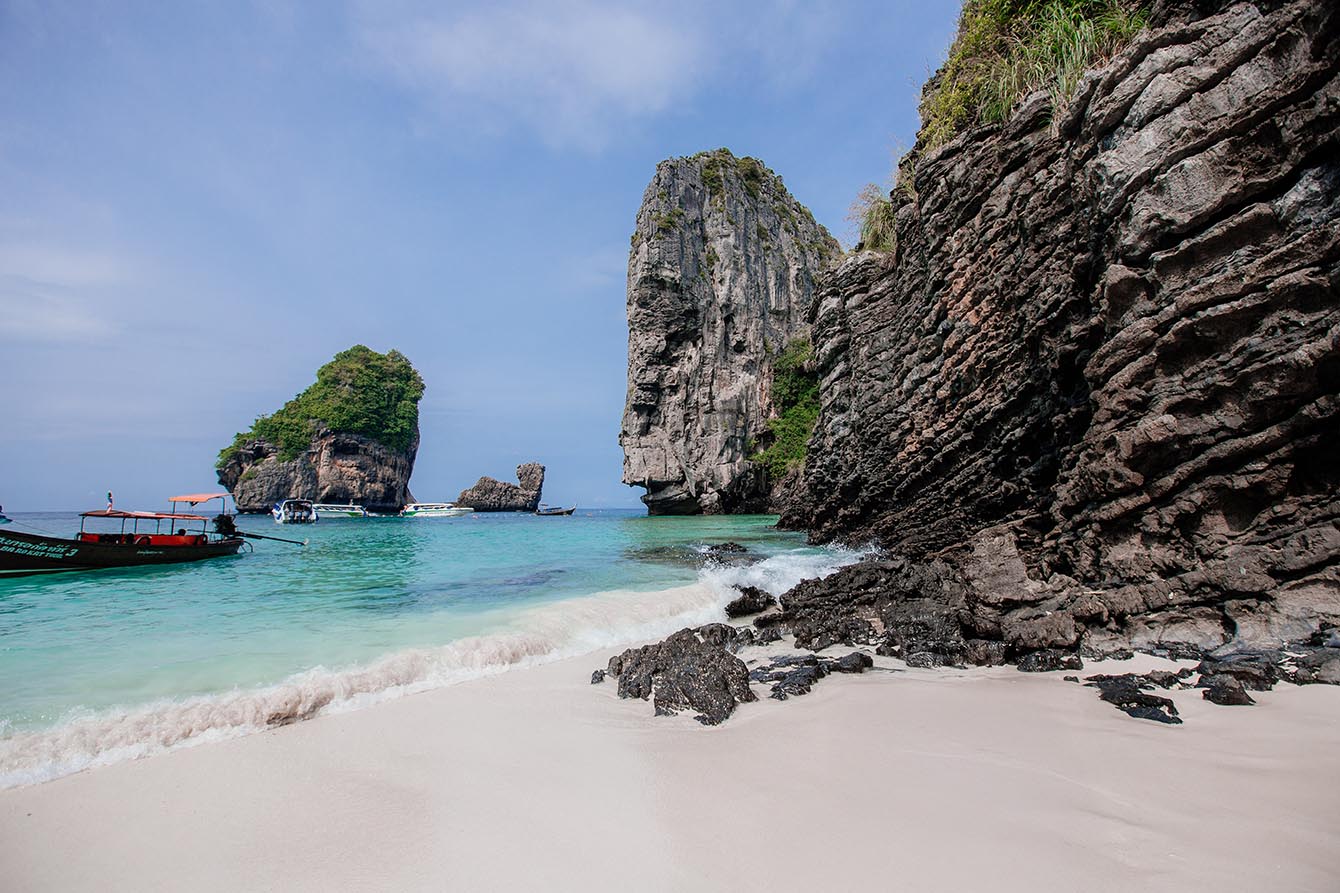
{"points": [[205, 201]]}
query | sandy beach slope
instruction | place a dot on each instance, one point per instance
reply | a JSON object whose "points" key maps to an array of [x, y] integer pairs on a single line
{"points": [[535, 779]]}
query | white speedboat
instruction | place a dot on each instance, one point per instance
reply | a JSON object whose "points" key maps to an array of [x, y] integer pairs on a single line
{"points": [[434, 510], [295, 511], [339, 510]]}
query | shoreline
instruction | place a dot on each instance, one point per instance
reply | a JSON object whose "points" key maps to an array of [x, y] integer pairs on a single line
{"points": [[546, 633], [537, 778], [534, 635]]}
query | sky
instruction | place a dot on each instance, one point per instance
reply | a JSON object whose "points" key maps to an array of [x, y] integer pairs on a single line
{"points": [[204, 202]]}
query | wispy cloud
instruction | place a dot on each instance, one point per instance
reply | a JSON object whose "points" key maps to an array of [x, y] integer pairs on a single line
{"points": [[572, 72], [49, 293], [29, 316]]}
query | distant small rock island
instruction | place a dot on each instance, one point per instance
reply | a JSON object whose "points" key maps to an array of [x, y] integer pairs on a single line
{"points": [[350, 437], [490, 495]]}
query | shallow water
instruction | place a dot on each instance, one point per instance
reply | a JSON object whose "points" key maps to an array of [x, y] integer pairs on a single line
{"points": [[115, 664]]}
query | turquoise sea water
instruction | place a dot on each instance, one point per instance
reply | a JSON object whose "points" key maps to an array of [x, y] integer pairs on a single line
{"points": [[110, 665]]}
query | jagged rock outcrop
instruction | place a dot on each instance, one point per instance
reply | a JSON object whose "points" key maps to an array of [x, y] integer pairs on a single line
{"points": [[336, 468], [490, 495], [720, 275], [690, 670], [1095, 391], [350, 437]]}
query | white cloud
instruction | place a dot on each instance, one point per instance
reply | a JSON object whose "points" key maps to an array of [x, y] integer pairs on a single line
{"points": [[29, 316], [61, 266], [51, 294], [572, 71]]}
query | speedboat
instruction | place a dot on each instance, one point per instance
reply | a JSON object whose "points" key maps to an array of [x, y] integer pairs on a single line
{"points": [[112, 545], [335, 510], [295, 511], [434, 510]]}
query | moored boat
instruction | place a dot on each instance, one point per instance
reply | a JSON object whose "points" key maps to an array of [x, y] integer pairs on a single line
{"points": [[330, 510], [295, 511], [434, 510], [549, 511], [130, 544]]}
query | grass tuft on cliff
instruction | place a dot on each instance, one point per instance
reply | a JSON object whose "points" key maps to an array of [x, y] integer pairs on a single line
{"points": [[359, 392], [873, 216], [1006, 49], [795, 396]]}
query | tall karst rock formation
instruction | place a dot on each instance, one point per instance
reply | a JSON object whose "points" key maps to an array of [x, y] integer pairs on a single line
{"points": [[1096, 386], [720, 278]]}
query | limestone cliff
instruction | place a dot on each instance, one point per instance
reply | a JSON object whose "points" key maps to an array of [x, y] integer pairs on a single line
{"points": [[720, 274], [336, 467], [1096, 386], [350, 437], [490, 495]]}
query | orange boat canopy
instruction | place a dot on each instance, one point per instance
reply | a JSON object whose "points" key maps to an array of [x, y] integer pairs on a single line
{"points": [[196, 498], [141, 516]]}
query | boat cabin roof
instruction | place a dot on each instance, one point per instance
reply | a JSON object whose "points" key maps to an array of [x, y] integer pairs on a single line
{"points": [[142, 516], [197, 498]]}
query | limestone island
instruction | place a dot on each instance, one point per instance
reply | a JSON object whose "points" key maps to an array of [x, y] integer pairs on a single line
{"points": [[492, 495], [350, 437]]}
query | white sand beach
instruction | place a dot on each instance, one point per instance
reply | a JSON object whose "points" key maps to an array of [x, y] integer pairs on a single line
{"points": [[535, 779]]}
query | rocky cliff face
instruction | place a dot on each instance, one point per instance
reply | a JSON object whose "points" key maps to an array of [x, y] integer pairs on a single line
{"points": [[1095, 391], [721, 271], [337, 468], [490, 495]]}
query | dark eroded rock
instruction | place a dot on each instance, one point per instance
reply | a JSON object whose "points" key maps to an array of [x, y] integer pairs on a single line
{"points": [[1124, 693], [856, 662], [684, 672], [1227, 691], [751, 600], [1048, 660], [1106, 343]]}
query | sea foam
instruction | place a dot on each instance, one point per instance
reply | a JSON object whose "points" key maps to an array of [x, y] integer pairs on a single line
{"points": [[538, 635]]}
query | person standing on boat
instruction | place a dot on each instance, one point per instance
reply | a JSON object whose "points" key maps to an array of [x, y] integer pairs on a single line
{"points": [[109, 500]]}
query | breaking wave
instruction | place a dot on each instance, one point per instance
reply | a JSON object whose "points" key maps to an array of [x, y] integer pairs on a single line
{"points": [[538, 635]]}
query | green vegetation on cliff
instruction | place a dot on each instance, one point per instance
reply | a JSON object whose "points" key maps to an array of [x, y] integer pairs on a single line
{"points": [[873, 214], [359, 392], [795, 396], [1006, 49]]}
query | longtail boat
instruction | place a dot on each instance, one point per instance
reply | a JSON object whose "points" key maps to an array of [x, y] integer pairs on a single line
{"points": [[138, 540]]}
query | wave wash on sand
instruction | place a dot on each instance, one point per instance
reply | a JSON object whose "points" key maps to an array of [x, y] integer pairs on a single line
{"points": [[538, 635]]}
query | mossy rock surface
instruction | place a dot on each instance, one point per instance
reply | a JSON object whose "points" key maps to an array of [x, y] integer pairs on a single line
{"points": [[359, 392]]}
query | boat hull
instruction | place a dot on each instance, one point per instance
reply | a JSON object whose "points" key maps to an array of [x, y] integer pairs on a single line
{"points": [[24, 554], [414, 511]]}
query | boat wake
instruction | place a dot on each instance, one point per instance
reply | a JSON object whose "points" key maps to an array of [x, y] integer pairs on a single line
{"points": [[538, 635]]}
